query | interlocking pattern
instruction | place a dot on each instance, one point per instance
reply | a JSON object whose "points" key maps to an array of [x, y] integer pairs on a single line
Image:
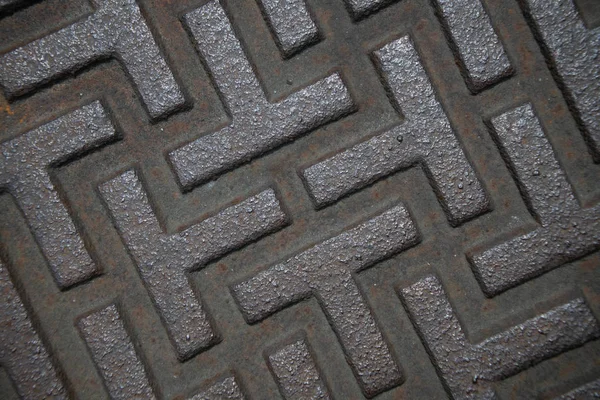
{"points": [[426, 136], [163, 259], [299, 199], [24, 172], [325, 271], [575, 60], [257, 125], [467, 369], [116, 27], [566, 231]]}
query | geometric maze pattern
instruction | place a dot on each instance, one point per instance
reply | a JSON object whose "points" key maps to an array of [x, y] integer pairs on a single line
{"points": [[467, 369], [325, 271], [567, 232], [25, 161], [116, 28], [574, 62], [257, 125], [348, 219], [425, 137]]}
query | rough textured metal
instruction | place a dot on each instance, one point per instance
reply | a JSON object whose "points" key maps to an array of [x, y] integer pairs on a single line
{"points": [[468, 370], [573, 49], [163, 259], [116, 28], [566, 233], [179, 298], [24, 162], [474, 41], [325, 271], [362, 8], [225, 389], [22, 352], [291, 24], [585, 392], [296, 373], [114, 354], [257, 125], [426, 137]]}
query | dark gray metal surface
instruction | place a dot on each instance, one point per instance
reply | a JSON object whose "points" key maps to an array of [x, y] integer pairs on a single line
{"points": [[572, 50], [480, 51], [117, 27], [296, 372], [325, 271], [163, 259], [257, 125], [225, 389], [566, 231], [257, 199], [23, 173], [425, 137], [22, 351], [291, 23], [114, 354], [467, 369]]}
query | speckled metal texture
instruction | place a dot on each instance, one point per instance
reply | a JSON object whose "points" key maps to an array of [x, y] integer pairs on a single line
{"points": [[325, 271], [425, 137], [113, 352], [225, 389], [117, 27], [572, 51], [163, 259], [22, 352], [24, 165], [587, 391], [296, 373], [466, 368], [291, 24], [566, 231], [257, 125], [362, 8], [472, 37], [269, 199]]}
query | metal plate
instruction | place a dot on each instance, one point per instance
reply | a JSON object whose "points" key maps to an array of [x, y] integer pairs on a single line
{"points": [[324, 199]]}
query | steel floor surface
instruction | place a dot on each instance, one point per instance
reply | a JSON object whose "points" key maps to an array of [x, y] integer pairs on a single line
{"points": [[300, 199]]}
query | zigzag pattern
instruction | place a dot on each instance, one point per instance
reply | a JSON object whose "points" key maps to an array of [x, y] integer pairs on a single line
{"points": [[270, 266]]}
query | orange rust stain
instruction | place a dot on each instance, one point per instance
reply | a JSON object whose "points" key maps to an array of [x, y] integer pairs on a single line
{"points": [[6, 108]]}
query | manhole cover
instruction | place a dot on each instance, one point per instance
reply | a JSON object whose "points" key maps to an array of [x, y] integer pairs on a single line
{"points": [[300, 199]]}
